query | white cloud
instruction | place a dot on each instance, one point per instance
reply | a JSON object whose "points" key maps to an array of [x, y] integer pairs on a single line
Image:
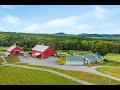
{"points": [[32, 28], [100, 12], [9, 19], [63, 22], [10, 6]]}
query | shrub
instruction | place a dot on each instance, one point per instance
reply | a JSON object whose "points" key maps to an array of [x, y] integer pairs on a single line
{"points": [[61, 61], [105, 60], [72, 54], [68, 53]]}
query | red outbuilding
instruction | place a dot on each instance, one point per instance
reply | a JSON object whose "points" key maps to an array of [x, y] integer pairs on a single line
{"points": [[14, 50], [42, 51]]}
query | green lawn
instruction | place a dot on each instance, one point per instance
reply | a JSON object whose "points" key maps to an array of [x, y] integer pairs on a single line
{"points": [[19, 76], [75, 51], [110, 71], [113, 56], [1, 54], [110, 63], [1, 61], [12, 59], [89, 77], [3, 48], [26, 52]]}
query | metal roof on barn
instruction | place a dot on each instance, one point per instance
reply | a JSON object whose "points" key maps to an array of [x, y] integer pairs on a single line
{"points": [[12, 47], [99, 57], [40, 48], [94, 57], [90, 57], [75, 58]]}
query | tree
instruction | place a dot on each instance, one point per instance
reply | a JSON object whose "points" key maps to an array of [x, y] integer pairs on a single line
{"points": [[25, 47], [100, 48]]}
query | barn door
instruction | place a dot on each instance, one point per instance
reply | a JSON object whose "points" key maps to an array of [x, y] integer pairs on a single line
{"points": [[17, 52]]}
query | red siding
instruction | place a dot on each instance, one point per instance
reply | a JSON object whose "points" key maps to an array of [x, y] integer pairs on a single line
{"points": [[12, 52], [48, 52]]}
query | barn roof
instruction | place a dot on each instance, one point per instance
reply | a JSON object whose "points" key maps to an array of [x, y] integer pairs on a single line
{"points": [[99, 57], [40, 48], [91, 57], [11, 48], [94, 57], [75, 58]]}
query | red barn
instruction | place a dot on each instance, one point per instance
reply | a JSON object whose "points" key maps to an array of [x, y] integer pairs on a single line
{"points": [[43, 51], [14, 50]]}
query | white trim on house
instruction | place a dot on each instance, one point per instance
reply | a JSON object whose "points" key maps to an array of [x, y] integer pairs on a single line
{"points": [[36, 54], [17, 50]]}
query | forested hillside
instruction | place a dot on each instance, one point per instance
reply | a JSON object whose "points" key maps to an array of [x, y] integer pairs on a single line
{"points": [[65, 42]]}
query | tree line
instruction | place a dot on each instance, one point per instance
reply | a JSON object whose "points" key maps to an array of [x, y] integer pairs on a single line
{"points": [[29, 40]]}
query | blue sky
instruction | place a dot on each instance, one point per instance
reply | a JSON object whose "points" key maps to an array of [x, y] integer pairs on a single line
{"points": [[70, 19]]}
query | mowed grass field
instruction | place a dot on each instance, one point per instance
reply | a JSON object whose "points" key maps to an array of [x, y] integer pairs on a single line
{"points": [[115, 71], [1, 61], [88, 77], [19, 76], [12, 59], [113, 56]]}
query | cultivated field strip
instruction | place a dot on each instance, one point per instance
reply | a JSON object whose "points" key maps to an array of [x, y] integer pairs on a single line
{"points": [[51, 71]]}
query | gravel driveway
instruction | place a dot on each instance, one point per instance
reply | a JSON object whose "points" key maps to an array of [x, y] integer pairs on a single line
{"points": [[51, 61]]}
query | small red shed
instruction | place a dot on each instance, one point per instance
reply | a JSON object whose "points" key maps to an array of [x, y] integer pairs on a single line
{"points": [[42, 51], [14, 50]]}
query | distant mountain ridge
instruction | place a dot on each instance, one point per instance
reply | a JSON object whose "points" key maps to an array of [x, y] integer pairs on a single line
{"points": [[90, 35], [61, 33]]}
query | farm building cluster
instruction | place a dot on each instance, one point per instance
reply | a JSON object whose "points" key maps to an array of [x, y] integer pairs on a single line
{"points": [[83, 59], [43, 51], [39, 51]]}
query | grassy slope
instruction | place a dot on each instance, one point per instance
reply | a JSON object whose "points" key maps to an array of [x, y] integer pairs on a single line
{"points": [[110, 63], [19, 76], [3, 48], [12, 59], [89, 77], [1, 61], [113, 56], [1, 54], [110, 71]]}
